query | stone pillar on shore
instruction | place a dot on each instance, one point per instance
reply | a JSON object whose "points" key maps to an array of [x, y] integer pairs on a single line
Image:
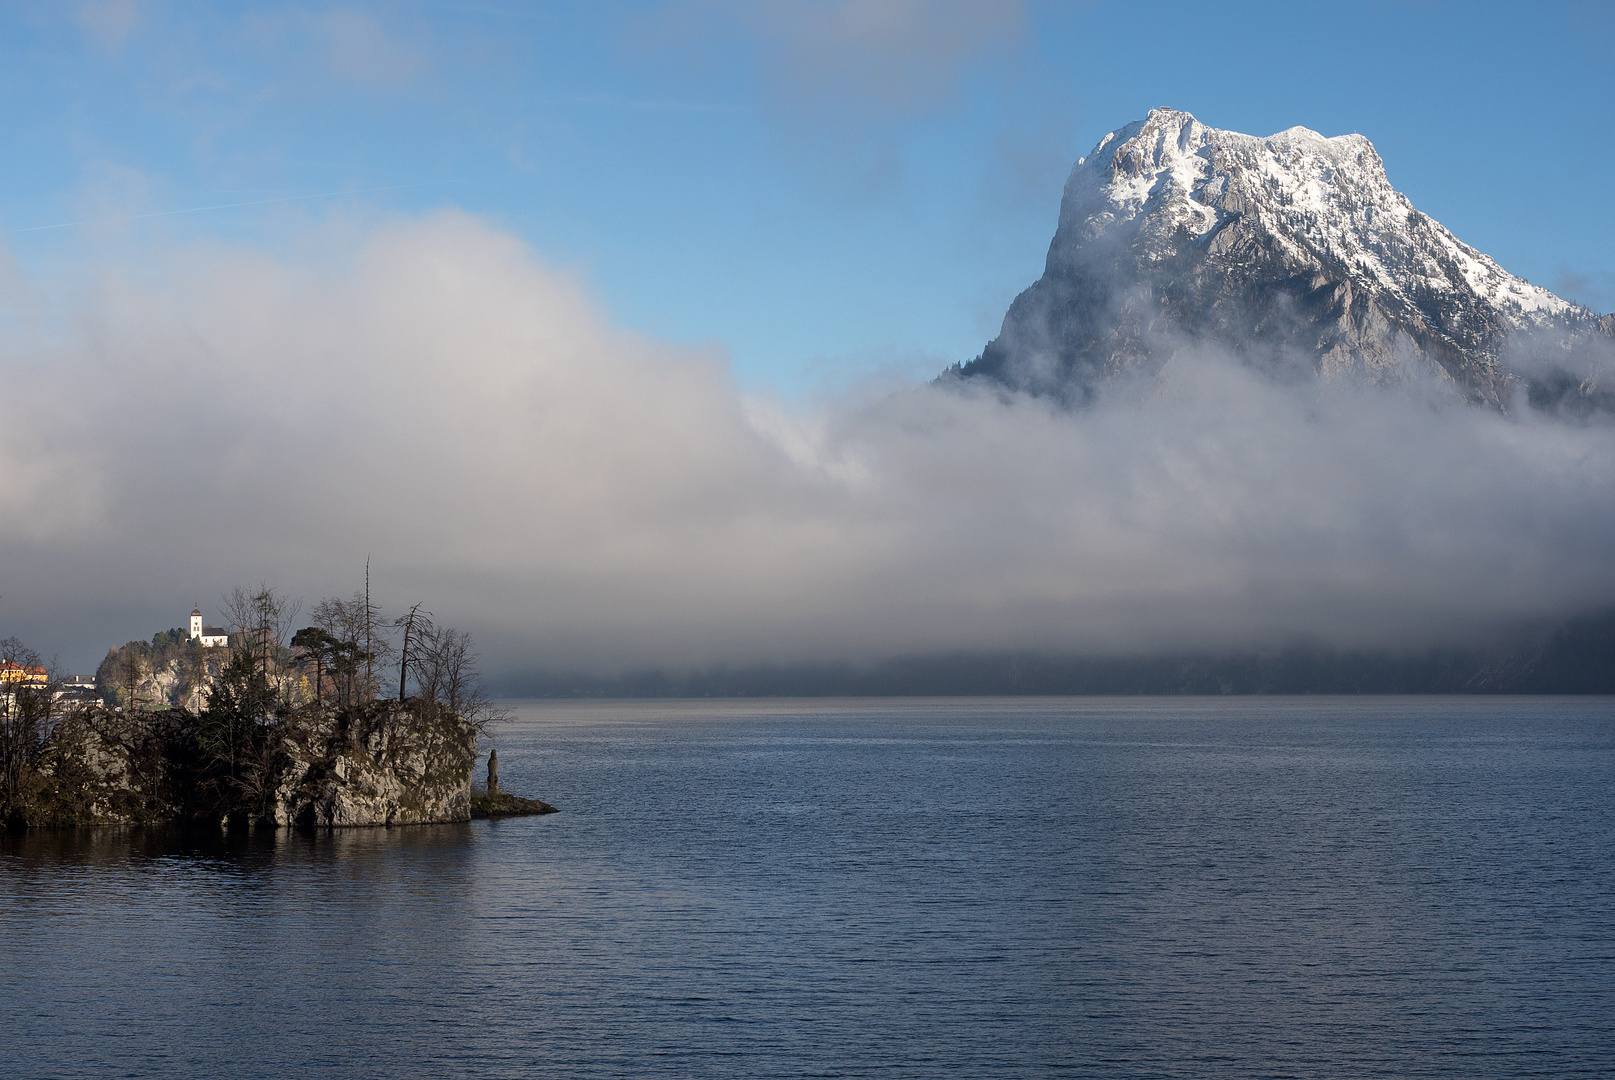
{"points": [[493, 772]]}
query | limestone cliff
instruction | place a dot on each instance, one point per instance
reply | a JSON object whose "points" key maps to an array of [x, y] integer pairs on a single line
{"points": [[104, 767], [382, 763], [387, 763]]}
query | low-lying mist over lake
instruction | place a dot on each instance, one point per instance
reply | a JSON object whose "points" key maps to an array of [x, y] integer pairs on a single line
{"points": [[428, 392]]}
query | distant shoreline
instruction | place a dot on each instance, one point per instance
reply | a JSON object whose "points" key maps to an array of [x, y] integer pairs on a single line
{"points": [[546, 699], [1578, 658]]}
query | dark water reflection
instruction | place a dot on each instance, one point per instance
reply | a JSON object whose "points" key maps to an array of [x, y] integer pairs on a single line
{"points": [[1325, 888]]}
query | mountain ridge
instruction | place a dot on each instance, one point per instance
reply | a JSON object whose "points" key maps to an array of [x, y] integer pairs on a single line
{"points": [[1293, 248]]}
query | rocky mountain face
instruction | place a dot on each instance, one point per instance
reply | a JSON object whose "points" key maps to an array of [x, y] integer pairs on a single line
{"points": [[1292, 253]]}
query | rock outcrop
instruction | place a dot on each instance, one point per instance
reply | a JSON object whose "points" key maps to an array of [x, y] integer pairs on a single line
{"points": [[383, 763], [387, 763], [500, 804], [103, 767]]}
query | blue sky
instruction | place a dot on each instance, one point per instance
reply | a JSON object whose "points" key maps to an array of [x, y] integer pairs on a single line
{"points": [[821, 191]]}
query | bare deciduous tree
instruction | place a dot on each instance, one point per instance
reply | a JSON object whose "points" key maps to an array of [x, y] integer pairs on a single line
{"points": [[446, 673], [260, 621], [416, 625], [131, 674]]}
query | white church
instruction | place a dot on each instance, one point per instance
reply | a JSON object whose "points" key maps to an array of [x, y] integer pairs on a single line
{"points": [[211, 637]]}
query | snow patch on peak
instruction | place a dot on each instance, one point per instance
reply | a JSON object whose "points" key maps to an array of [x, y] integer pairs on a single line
{"points": [[1305, 136], [1320, 200]]}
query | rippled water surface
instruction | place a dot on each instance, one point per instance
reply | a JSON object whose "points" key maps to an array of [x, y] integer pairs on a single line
{"points": [[1141, 888]]}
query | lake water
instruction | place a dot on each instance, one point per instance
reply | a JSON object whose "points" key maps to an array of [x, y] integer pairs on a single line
{"points": [[1385, 887]]}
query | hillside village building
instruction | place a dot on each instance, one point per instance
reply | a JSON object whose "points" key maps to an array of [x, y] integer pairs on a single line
{"points": [[211, 637], [16, 673]]}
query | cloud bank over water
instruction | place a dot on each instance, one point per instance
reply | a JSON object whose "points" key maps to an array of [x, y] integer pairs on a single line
{"points": [[435, 396]]}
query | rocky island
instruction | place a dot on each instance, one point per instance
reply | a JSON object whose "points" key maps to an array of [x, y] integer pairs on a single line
{"points": [[252, 732], [383, 763]]}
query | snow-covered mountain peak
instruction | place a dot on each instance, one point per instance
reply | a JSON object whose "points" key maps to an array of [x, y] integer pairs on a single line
{"points": [[1284, 246], [1318, 198]]}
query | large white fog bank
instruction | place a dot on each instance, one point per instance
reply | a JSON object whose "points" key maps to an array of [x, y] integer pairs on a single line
{"points": [[578, 496]]}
